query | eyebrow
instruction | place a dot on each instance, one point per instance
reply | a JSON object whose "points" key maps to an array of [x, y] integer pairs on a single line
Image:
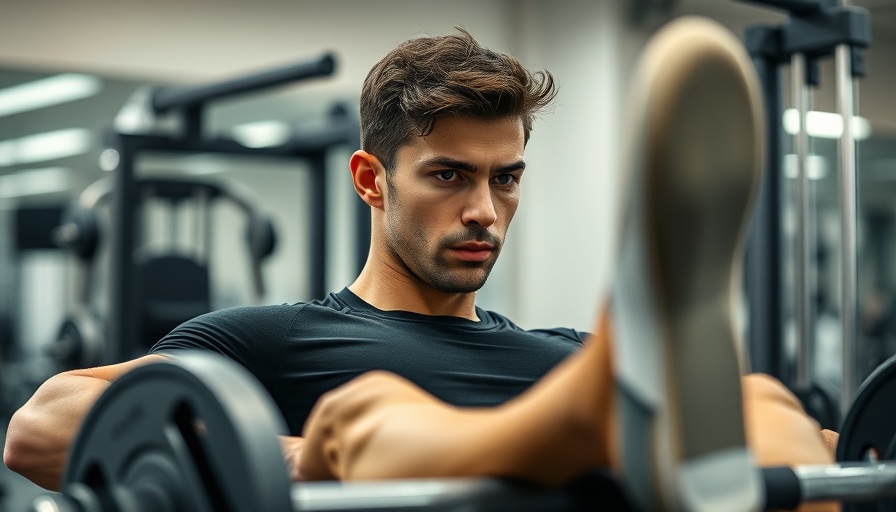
{"points": [[460, 165]]}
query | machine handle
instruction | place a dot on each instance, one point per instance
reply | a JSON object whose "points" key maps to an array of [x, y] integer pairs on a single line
{"points": [[175, 98]]}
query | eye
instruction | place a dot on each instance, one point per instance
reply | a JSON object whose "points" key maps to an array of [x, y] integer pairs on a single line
{"points": [[505, 179], [446, 175]]}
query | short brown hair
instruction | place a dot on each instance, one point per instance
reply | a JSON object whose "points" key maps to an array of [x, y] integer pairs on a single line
{"points": [[431, 77]]}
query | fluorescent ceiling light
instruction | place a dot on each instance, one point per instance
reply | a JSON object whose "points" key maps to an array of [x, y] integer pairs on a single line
{"points": [[816, 167], [825, 125], [34, 182], [45, 146], [47, 92], [262, 134]]}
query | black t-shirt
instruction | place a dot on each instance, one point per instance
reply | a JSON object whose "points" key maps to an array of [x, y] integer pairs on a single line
{"points": [[301, 351]]}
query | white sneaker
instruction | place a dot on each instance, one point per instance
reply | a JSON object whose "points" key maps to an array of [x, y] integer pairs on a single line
{"points": [[695, 158]]}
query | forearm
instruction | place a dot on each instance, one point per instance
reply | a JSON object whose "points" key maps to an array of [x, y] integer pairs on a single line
{"points": [[557, 429], [563, 425], [40, 433]]}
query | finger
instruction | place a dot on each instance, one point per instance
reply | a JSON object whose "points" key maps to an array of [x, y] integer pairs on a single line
{"points": [[292, 453]]}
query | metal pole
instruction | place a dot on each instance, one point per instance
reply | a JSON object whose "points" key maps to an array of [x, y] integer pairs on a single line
{"points": [[122, 329], [319, 223], [848, 220], [170, 98], [203, 226], [762, 268], [803, 290]]}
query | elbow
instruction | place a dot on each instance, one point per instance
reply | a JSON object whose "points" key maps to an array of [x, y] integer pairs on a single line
{"points": [[24, 454], [10, 456], [15, 447], [16, 462]]}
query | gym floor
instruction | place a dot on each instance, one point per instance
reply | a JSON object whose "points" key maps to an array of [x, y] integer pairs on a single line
{"points": [[16, 493]]}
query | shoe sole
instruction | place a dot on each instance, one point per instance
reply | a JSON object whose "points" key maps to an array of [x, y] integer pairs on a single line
{"points": [[695, 157]]}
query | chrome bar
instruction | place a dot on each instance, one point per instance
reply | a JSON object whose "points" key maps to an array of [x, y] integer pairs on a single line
{"points": [[847, 482], [432, 495], [848, 202], [803, 263]]}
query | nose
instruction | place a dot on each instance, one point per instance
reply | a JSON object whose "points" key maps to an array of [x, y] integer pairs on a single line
{"points": [[480, 207]]}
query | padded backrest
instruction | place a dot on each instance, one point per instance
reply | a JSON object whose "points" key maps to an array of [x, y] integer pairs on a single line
{"points": [[173, 289]]}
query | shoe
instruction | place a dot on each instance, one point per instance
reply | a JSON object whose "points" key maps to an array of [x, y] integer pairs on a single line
{"points": [[695, 150]]}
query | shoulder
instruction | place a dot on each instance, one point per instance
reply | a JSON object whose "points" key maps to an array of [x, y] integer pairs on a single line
{"points": [[258, 320], [226, 330], [252, 326], [560, 333]]}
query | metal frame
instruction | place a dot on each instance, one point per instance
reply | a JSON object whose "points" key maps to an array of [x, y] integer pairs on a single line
{"points": [[815, 29], [188, 104]]}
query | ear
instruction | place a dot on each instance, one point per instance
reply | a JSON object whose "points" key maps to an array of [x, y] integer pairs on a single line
{"points": [[368, 176]]}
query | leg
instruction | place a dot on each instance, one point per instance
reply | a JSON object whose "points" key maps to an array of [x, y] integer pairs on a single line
{"points": [[695, 160]]}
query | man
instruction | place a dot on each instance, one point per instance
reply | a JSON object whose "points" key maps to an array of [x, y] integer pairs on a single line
{"points": [[444, 126], [696, 156]]}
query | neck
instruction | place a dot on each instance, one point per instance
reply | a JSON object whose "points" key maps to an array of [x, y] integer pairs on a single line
{"points": [[388, 288]]}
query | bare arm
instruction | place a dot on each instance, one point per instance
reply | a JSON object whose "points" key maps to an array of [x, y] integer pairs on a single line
{"points": [[41, 431], [382, 426]]}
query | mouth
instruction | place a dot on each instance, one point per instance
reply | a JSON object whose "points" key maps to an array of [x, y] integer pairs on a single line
{"points": [[473, 251]]}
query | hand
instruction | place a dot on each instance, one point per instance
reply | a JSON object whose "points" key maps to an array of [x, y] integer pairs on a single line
{"points": [[341, 424], [292, 454], [382, 426]]}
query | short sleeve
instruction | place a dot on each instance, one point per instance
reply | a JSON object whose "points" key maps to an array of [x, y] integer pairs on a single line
{"points": [[252, 336]]}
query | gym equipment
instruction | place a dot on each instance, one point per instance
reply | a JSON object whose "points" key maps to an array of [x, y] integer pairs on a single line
{"points": [[190, 435], [821, 403], [815, 30], [868, 432], [23, 316], [171, 120], [197, 432], [866, 451], [172, 287]]}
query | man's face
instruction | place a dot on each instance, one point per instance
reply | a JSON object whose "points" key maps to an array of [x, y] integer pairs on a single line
{"points": [[451, 199]]}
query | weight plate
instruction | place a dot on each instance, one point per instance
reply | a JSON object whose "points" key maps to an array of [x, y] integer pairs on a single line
{"points": [[196, 432], [870, 425]]}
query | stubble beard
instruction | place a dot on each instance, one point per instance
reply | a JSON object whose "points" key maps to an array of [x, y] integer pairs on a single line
{"points": [[424, 259]]}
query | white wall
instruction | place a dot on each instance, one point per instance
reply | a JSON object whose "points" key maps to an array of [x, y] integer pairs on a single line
{"points": [[565, 227]]}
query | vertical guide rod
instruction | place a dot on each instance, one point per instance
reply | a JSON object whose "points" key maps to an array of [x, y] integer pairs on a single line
{"points": [[803, 295], [762, 265], [848, 202]]}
